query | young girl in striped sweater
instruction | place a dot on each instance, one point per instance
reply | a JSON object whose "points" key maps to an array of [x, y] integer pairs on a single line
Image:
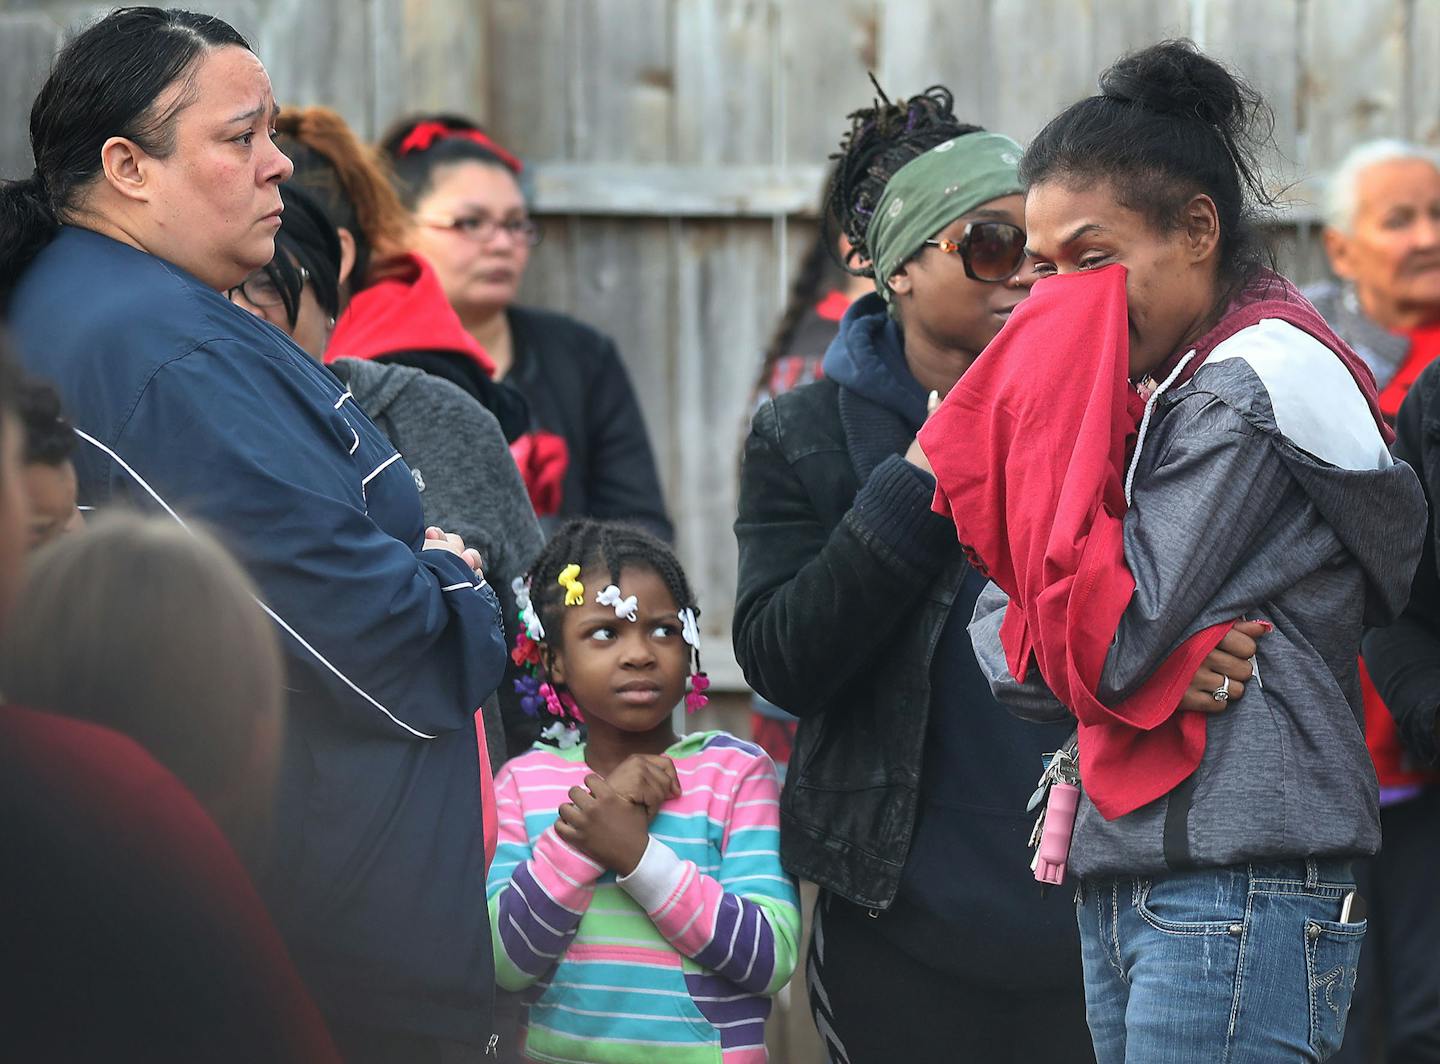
{"points": [[637, 893]]}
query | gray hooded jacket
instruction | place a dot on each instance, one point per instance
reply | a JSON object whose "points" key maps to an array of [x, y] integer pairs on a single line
{"points": [[1263, 490]]}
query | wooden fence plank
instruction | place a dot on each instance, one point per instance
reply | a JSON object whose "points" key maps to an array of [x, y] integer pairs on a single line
{"points": [[530, 74], [1043, 54], [725, 103], [663, 190], [621, 282], [825, 61], [1353, 79], [1422, 62], [430, 55], [945, 43], [725, 301], [622, 102], [27, 41]]}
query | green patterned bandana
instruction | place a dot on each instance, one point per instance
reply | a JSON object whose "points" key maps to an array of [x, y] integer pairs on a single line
{"points": [[932, 190]]}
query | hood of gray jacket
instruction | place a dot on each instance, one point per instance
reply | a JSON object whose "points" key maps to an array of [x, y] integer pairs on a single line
{"points": [[375, 385]]}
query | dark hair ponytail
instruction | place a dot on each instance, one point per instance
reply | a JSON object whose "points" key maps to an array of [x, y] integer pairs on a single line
{"points": [[27, 224], [1169, 123], [883, 137], [105, 83]]}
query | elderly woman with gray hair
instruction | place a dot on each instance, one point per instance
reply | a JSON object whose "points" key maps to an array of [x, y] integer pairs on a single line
{"points": [[1382, 236]]}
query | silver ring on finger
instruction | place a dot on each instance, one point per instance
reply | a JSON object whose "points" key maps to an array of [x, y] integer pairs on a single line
{"points": [[1222, 693]]}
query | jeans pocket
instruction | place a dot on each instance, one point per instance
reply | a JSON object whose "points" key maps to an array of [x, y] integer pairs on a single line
{"points": [[1187, 905], [1332, 957]]}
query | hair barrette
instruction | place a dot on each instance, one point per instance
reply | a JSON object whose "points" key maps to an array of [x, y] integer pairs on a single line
{"points": [[625, 608], [531, 701], [696, 699], [426, 135], [529, 617], [689, 629], [569, 579]]}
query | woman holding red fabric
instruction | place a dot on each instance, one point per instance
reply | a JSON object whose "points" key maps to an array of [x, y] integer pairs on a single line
{"points": [[586, 452], [1216, 904]]}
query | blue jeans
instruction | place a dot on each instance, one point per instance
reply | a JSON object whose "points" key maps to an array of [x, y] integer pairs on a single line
{"points": [[1219, 966]]}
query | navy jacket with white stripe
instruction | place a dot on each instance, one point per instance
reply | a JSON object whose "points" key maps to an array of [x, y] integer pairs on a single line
{"points": [[187, 403]]}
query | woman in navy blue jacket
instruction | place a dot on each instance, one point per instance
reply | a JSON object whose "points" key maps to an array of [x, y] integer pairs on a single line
{"points": [[155, 190]]}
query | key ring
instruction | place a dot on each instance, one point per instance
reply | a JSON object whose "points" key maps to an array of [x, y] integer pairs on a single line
{"points": [[1221, 694]]}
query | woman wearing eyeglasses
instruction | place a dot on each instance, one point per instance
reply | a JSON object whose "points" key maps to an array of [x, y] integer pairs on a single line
{"points": [[905, 799], [587, 452]]}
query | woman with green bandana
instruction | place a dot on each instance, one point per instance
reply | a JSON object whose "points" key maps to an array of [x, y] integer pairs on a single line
{"points": [[907, 790]]}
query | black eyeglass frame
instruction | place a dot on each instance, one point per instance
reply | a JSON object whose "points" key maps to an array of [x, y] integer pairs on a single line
{"points": [[263, 273], [961, 247]]}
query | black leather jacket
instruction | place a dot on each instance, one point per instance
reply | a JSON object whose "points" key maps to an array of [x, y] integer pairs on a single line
{"points": [[836, 536]]}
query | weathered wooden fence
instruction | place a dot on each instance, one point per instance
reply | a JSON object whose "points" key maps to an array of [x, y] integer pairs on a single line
{"points": [[676, 146]]}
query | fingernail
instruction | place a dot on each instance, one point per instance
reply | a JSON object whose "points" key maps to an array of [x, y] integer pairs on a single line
{"points": [[1266, 625]]}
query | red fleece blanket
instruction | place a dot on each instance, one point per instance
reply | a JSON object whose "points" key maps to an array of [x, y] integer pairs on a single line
{"points": [[1029, 451]]}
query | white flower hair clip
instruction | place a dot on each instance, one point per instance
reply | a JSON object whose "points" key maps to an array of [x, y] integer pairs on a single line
{"points": [[625, 608], [528, 617], [689, 630]]}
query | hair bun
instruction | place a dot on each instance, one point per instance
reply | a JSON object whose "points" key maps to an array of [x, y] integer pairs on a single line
{"points": [[1175, 78]]}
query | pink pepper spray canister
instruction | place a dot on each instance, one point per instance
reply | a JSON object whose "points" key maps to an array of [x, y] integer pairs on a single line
{"points": [[1055, 838]]}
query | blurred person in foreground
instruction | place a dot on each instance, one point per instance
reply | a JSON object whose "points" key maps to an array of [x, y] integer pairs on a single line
{"points": [[132, 931], [1383, 238]]}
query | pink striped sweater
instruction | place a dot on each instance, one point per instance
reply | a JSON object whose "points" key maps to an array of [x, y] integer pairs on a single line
{"points": [[674, 962]]}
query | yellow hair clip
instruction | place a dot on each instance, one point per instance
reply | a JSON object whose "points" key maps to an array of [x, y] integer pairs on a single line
{"points": [[574, 589]]}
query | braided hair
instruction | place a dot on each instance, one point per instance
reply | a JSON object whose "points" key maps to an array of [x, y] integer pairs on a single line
{"points": [[614, 547], [882, 138], [818, 274]]}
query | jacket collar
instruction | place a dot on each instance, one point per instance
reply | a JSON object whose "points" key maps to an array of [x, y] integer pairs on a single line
{"points": [[872, 432]]}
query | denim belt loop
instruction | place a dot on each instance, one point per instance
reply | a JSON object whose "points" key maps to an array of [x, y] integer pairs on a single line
{"points": [[1312, 873]]}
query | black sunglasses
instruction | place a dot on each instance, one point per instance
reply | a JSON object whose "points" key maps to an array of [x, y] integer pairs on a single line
{"points": [[991, 251]]}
